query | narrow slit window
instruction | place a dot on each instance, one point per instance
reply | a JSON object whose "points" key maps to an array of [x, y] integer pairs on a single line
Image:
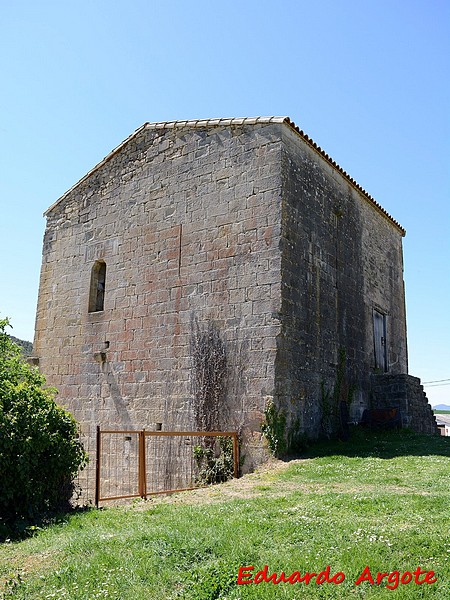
{"points": [[97, 291]]}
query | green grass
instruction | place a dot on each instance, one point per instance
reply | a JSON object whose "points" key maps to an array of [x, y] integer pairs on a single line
{"points": [[441, 412], [379, 500]]}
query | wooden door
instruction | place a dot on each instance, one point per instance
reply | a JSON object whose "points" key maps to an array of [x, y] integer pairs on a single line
{"points": [[379, 330]]}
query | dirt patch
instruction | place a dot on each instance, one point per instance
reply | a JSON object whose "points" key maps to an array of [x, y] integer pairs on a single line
{"points": [[253, 485]]}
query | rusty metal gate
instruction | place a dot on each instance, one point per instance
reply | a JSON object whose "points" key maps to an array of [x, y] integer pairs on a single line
{"points": [[140, 463]]}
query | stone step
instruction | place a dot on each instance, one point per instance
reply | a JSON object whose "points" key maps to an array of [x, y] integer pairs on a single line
{"points": [[406, 393]]}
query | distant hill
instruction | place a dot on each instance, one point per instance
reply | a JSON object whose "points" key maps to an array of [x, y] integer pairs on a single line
{"points": [[27, 347], [441, 407]]}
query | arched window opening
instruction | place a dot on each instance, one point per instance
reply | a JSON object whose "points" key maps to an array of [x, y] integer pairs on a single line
{"points": [[97, 290]]}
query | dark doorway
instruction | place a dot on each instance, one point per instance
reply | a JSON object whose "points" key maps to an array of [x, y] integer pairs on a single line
{"points": [[379, 330]]}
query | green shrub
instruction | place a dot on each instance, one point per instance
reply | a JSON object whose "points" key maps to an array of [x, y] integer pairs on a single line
{"points": [[274, 429], [214, 464], [40, 453]]}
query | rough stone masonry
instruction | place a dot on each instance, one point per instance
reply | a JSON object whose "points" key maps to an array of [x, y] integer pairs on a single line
{"points": [[238, 234]]}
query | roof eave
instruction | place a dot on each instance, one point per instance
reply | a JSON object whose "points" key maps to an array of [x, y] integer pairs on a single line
{"points": [[350, 179], [236, 122]]}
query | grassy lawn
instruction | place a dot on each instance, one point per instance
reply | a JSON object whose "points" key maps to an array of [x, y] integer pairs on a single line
{"points": [[381, 501]]}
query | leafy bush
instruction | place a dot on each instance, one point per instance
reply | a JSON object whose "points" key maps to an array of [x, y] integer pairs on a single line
{"points": [[274, 429], [214, 464], [40, 453]]}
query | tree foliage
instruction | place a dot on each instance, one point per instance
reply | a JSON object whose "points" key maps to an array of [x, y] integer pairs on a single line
{"points": [[40, 453]]}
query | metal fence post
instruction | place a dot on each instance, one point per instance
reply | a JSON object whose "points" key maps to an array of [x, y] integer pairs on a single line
{"points": [[142, 467], [97, 467], [236, 454]]}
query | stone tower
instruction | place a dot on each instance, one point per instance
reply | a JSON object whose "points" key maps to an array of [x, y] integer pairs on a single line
{"points": [[238, 236]]}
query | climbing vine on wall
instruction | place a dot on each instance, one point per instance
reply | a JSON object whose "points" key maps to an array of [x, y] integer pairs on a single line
{"points": [[210, 378], [214, 459]]}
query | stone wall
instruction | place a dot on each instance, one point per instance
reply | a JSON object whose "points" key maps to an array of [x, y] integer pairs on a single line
{"points": [[341, 259], [187, 222]]}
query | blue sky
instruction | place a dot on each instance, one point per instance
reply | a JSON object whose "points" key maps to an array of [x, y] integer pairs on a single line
{"points": [[369, 81]]}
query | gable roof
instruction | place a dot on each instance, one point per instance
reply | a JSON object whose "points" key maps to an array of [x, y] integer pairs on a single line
{"points": [[229, 122]]}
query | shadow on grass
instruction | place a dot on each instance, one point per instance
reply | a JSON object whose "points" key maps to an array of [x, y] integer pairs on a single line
{"points": [[381, 444], [23, 528]]}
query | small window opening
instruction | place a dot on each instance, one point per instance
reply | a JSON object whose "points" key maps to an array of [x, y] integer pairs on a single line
{"points": [[97, 291]]}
